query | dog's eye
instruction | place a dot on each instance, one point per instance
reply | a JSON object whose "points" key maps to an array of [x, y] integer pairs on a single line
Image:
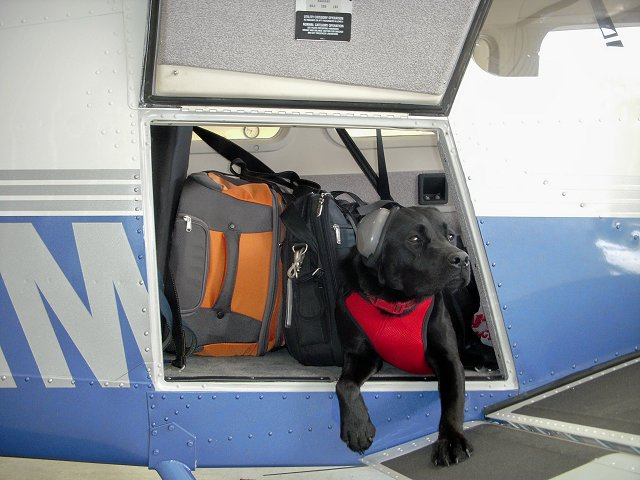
{"points": [[414, 239], [451, 237]]}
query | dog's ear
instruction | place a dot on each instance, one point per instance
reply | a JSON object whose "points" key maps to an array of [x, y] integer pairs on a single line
{"points": [[388, 276], [380, 272]]}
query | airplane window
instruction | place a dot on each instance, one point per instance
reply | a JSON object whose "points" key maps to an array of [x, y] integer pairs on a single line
{"points": [[510, 43], [565, 83]]}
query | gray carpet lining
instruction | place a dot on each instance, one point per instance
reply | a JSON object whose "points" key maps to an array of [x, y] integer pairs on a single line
{"points": [[274, 366], [411, 46], [277, 365]]}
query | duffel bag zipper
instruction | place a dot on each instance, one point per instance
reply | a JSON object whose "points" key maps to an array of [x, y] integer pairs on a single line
{"points": [[342, 233], [323, 228], [336, 229], [321, 203], [333, 281], [299, 251], [273, 276], [189, 221], [187, 218]]}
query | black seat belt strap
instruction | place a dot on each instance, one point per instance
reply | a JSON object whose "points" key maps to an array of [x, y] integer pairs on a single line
{"points": [[379, 181], [358, 157], [383, 178]]}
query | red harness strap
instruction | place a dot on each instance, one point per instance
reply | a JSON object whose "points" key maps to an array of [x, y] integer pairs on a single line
{"points": [[397, 337]]}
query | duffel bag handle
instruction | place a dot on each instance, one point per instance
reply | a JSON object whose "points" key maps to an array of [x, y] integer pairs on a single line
{"points": [[251, 168], [288, 179], [354, 197], [230, 150]]}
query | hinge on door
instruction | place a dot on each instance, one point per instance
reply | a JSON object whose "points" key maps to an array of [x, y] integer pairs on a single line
{"points": [[294, 112]]}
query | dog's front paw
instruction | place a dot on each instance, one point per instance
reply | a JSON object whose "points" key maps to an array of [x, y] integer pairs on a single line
{"points": [[451, 449], [358, 435]]}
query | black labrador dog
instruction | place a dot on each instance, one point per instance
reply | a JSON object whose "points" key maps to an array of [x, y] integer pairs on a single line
{"points": [[404, 257]]}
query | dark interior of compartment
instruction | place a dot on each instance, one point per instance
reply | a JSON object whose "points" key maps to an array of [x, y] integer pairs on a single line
{"points": [[170, 149]]}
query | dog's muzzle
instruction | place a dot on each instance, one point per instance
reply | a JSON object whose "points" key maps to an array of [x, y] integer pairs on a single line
{"points": [[460, 269], [459, 259]]}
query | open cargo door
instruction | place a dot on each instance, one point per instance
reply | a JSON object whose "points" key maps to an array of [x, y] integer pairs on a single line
{"points": [[334, 54]]}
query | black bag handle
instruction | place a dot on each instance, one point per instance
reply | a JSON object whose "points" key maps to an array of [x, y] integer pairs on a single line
{"points": [[177, 330], [292, 219], [336, 193], [230, 150], [251, 168], [288, 178]]}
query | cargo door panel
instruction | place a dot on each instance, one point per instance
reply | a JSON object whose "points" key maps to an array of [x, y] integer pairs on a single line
{"points": [[398, 56]]}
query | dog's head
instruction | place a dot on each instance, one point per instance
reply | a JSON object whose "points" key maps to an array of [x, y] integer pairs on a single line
{"points": [[412, 250]]}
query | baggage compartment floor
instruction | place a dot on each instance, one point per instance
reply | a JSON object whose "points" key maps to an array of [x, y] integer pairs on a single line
{"points": [[275, 366]]}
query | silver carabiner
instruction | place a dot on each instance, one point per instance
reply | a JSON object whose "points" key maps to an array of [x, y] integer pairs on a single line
{"points": [[298, 257]]}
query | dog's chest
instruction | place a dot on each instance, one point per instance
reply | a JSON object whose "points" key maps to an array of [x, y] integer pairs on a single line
{"points": [[399, 338]]}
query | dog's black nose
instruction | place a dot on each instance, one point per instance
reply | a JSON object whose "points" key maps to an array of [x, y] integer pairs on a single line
{"points": [[459, 259]]}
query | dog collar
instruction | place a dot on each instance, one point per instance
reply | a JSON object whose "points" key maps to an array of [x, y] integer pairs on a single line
{"points": [[394, 308]]}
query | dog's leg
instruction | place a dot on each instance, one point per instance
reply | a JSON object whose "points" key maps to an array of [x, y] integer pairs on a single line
{"points": [[442, 355], [356, 429]]}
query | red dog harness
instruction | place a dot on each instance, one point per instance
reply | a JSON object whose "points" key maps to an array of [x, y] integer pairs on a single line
{"points": [[398, 331]]}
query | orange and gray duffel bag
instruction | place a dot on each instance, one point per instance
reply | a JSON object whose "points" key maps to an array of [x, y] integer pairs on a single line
{"points": [[225, 260]]}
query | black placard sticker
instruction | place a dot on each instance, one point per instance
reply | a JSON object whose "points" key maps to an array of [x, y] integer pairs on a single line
{"points": [[323, 20]]}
